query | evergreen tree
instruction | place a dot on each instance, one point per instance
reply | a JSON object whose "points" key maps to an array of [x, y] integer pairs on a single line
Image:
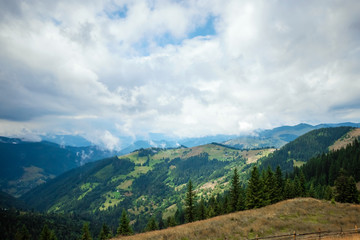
{"points": [[201, 210], [105, 233], [289, 191], [189, 203], [124, 226], [23, 234], [279, 194], [254, 193], [302, 182], [241, 201], [85, 232], [269, 187], [312, 191], [179, 215], [170, 222], [161, 223], [353, 196], [45, 233], [152, 225], [234, 191], [345, 188]]}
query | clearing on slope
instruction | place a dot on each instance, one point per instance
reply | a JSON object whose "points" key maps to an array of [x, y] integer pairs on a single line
{"points": [[347, 139]]}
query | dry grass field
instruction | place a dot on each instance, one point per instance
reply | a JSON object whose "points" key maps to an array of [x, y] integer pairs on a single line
{"points": [[302, 215]]}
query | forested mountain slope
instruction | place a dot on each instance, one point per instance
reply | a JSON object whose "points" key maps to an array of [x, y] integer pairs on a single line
{"points": [[305, 147], [147, 181], [25, 165]]}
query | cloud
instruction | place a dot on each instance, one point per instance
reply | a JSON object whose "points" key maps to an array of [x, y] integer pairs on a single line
{"points": [[108, 69]]}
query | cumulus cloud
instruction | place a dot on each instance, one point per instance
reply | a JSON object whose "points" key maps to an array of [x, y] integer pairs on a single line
{"points": [[107, 69]]}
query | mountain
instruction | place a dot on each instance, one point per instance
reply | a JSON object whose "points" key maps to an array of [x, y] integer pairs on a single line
{"points": [[148, 181], [279, 136], [305, 147], [67, 140], [25, 165]]}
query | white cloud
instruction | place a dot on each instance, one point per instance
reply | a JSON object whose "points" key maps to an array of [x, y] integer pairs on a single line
{"points": [[118, 68]]}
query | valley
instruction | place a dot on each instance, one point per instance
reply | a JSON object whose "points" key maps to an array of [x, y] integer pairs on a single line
{"points": [[152, 183]]}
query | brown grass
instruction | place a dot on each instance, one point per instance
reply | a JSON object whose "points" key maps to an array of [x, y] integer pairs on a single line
{"points": [[347, 139], [302, 215], [352, 237]]}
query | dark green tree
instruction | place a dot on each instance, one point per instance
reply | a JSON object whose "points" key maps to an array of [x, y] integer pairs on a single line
{"points": [[269, 186], [345, 188], [124, 228], [302, 182], [105, 232], [47, 234], [151, 225], [189, 203], [234, 191], [255, 192], [201, 215], [23, 234], [85, 232], [170, 222], [279, 185]]}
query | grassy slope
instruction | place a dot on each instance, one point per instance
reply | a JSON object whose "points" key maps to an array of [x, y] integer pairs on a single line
{"points": [[346, 139], [100, 186], [301, 215]]}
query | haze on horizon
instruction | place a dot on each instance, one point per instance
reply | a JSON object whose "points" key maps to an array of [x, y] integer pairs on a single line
{"points": [[105, 69]]}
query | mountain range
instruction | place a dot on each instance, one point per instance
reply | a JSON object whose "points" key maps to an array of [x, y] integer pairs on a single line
{"points": [[153, 181]]}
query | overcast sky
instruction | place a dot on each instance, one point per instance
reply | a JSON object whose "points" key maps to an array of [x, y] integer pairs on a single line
{"points": [[105, 69]]}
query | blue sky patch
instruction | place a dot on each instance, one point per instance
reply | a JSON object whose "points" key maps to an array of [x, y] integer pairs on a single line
{"points": [[205, 30], [121, 12]]}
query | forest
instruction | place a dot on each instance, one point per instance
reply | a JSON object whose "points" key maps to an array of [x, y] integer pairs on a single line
{"points": [[330, 176]]}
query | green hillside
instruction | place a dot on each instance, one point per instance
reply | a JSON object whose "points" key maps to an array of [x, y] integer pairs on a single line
{"points": [[146, 182], [305, 147]]}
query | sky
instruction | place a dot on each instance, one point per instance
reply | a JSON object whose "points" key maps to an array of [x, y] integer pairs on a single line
{"points": [[109, 69]]}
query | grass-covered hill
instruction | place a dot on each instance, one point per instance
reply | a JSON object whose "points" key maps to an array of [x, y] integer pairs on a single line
{"points": [[307, 146], [147, 181], [25, 165], [302, 215]]}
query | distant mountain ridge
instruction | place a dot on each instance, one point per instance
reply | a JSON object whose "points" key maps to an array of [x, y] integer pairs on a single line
{"points": [[280, 136], [24, 165]]}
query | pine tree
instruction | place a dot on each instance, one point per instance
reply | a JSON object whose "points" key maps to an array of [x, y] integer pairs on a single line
{"points": [[269, 186], [23, 234], [254, 193], [342, 187], [45, 233], [234, 191], [289, 191], [105, 233], [279, 188], [302, 182], [241, 201], [201, 210], [189, 203], [85, 232], [124, 226], [152, 225], [170, 222], [353, 195]]}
